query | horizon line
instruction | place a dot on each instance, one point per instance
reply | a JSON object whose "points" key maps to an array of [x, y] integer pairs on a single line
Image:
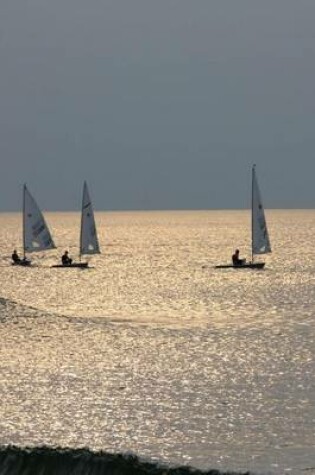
{"points": [[143, 210]]}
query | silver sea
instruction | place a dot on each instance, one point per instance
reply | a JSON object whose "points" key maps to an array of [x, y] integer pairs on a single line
{"points": [[153, 351]]}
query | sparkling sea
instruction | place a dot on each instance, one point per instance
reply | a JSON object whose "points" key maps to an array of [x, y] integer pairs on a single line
{"points": [[153, 351]]}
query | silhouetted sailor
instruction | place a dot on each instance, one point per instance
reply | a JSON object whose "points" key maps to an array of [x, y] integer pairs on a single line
{"points": [[65, 259], [15, 257]]}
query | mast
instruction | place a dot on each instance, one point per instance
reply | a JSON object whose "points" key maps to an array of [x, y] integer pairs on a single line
{"points": [[81, 230], [253, 176], [24, 189]]}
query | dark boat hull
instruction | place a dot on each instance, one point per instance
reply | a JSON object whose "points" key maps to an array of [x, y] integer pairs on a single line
{"points": [[74, 265], [25, 263], [249, 265]]}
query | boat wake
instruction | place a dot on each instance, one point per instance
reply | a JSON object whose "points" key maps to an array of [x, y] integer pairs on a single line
{"points": [[58, 461]]}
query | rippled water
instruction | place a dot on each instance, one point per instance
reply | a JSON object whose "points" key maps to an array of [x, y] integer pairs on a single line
{"points": [[154, 351]]}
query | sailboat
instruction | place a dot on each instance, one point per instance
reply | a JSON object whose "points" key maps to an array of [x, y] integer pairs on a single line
{"points": [[36, 235], [88, 236], [260, 236]]}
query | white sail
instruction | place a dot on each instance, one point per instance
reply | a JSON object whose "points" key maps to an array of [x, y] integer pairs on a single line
{"points": [[35, 230], [260, 237], [88, 242]]}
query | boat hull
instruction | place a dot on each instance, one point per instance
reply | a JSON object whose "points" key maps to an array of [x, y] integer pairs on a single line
{"points": [[249, 265], [25, 263], [74, 265]]}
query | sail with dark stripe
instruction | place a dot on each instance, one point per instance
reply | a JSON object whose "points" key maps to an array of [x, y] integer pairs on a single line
{"points": [[88, 239], [260, 237], [36, 234]]}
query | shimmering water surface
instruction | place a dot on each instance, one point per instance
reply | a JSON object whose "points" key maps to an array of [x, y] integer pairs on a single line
{"points": [[153, 351]]}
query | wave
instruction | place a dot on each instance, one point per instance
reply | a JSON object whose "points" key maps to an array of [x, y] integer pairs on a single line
{"points": [[10, 309], [58, 461]]}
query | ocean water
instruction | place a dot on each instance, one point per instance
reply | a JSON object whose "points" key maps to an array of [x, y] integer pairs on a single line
{"points": [[154, 352]]}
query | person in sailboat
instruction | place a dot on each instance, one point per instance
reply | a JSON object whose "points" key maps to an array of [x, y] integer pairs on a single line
{"points": [[15, 257], [236, 258], [65, 259]]}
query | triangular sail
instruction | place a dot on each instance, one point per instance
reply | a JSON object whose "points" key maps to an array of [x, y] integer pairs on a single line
{"points": [[36, 235], [260, 237], [88, 242]]}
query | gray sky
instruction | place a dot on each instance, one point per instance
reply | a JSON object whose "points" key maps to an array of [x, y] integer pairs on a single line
{"points": [[158, 104]]}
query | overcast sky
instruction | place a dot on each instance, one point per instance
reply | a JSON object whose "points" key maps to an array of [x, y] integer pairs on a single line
{"points": [[158, 104]]}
